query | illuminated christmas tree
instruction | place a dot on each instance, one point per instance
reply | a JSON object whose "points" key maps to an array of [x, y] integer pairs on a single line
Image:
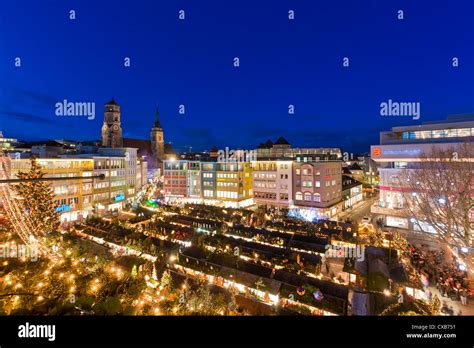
{"points": [[37, 199]]}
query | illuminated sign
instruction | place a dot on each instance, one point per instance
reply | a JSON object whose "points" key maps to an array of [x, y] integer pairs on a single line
{"points": [[62, 208], [398, 152], [408, 152], [120, 197]]}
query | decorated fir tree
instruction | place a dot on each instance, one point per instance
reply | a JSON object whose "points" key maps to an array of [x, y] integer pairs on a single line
{"points": [[37, 199], [134, 272], [166, 281]]}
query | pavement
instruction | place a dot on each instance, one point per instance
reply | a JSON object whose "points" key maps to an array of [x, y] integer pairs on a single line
{"points": [[358, 211]]}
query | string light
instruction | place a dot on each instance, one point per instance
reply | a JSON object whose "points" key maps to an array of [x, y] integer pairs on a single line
{"points": [[20, 222]]}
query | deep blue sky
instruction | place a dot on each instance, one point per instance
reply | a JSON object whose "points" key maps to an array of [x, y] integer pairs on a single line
{"points": [[190, 62]]}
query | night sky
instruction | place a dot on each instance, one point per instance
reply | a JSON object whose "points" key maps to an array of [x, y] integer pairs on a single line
{"points": [[190, 62]]}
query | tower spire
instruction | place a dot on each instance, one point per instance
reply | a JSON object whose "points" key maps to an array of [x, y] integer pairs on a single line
{"points": [[157, 119]]}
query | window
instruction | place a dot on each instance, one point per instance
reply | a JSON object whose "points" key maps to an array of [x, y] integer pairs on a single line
{"points": [[317, 183], [307, 196], [464, 132], [208, 193], [400, 165], [298, 171], [299, 196], [441, 133], [317, 197]]}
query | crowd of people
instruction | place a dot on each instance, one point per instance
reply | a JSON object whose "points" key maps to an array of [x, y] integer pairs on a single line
{"points": [[435, 270]]}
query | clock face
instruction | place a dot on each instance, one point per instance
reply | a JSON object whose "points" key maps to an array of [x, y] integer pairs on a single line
{"points": [[115, 127]]}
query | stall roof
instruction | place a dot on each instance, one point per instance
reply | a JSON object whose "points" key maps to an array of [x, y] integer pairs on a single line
{"points": [[360, 303], [378, 266]]}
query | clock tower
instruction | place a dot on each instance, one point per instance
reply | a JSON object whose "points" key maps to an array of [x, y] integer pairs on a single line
{"points": [[111, 130], [157, 139]]}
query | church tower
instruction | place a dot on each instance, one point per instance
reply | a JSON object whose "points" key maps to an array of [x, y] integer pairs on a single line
{"points": [[157, 139], [111, 130]]}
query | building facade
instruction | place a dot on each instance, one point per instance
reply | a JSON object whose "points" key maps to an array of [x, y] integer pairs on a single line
{"points": [[273, 183], [234, 183], [73, 198], [317, 185], [175, 174], [194, 180], [399, 155], [208, 181], [400, 149], [224, 183], [310, 186]]}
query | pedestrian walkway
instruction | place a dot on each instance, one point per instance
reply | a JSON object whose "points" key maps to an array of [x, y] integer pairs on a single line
{"points": [[457, 307], [355, 208]]}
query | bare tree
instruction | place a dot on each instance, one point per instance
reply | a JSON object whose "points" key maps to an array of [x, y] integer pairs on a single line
{"points": [[439, 192]]}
